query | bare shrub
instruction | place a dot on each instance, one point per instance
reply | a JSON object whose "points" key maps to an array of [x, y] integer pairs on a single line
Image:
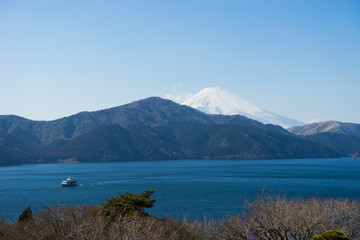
{"points": [[153, 228], [59, 222], [344, 216], [9, 231], [275, 217], [86, 222], [186, 229]]}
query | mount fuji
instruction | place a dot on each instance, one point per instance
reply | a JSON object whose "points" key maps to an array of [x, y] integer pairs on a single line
{"points": [[219, 101]]}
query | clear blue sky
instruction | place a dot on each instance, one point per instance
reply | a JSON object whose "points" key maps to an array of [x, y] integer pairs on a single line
{"points": [[300, 59]]}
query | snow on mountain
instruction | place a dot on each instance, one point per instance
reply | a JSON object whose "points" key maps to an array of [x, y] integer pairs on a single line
{"points": [[219, 101]]}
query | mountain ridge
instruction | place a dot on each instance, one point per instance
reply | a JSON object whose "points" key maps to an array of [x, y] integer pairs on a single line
{"points": [[327, 126], [156, 111], [148, 129], [342, 137]]}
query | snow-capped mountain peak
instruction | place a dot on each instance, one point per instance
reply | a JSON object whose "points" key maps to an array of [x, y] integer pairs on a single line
{"points": [[216, 100]]}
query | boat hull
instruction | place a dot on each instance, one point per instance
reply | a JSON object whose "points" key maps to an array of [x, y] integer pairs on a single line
{"points": [[69, 185]]}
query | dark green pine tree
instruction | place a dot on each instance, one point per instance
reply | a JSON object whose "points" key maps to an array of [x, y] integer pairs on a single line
{"points": [[127, 205]]}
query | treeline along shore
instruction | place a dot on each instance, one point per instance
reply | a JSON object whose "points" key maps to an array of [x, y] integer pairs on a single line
{"points": [[124, 217]]}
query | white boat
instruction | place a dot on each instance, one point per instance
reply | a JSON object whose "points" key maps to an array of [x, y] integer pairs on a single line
{"points": [[69, 182]]}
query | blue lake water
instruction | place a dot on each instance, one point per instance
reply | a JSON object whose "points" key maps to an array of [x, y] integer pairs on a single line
{"points": [[194, 188]]}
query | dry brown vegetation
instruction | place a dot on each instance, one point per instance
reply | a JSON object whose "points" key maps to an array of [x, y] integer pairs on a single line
{"points": [[275, 217], [268, 217]]}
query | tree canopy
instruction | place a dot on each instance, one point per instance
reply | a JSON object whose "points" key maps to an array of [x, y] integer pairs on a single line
{"points": [[127, 205]]}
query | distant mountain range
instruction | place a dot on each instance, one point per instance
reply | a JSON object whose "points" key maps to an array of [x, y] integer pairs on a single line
{"points": [[149, 129], [328, 126], [219, 101], [342, 137]]}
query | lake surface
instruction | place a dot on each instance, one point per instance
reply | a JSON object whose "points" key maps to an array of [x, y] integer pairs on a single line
{"points": [[194, 188]]}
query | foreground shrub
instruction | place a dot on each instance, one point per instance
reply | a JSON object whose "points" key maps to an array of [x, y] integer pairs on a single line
{"points": [[26, 214], [74, 223], [128, 204], [10, 231], [275, 217], [331, 235]]}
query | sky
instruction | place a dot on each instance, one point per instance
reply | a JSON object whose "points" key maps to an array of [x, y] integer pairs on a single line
{"points": [[299, 59]]}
